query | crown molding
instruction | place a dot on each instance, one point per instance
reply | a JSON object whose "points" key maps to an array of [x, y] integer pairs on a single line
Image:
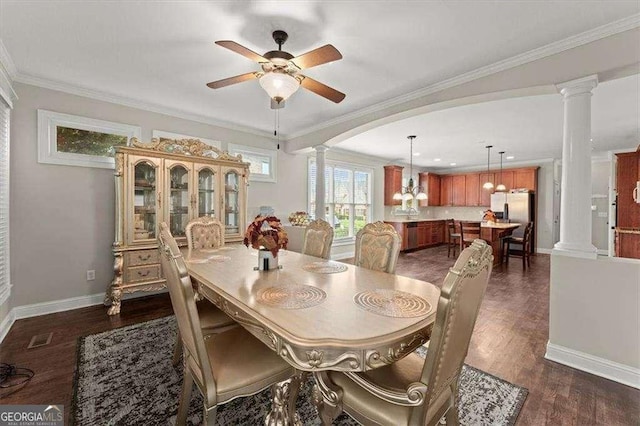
{"points": [[7, 62], [133, 103], [550, 49], [480, 168]]}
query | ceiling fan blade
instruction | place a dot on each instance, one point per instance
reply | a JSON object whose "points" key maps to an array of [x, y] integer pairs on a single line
{"points": [[232, 80], [319, 56], [322, 90], [235, 47]]}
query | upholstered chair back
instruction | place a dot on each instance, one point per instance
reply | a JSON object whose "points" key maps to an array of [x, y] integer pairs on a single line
{"points": [[184, 307], [458, 306], [204, 233], [318, 237], [378, 247]]}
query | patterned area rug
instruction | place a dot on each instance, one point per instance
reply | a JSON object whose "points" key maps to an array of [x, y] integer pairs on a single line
{"points": [[125, 377]]}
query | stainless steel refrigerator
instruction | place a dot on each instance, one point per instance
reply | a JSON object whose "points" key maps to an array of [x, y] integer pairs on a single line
{"points": [[521, 209]]}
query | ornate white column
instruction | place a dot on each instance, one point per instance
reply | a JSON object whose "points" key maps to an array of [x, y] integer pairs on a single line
{"points": [[575, 196], [320, 207]]}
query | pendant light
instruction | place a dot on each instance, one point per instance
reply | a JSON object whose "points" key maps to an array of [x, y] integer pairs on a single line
{"points": [[410, 192], [501, 187], [488, 184]]}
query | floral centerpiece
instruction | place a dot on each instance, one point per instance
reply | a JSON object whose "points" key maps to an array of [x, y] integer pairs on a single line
{"points": [[266, 232], [299, 218]]}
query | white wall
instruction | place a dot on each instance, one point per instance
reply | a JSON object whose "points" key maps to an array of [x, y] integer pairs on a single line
{"points": [[594, 320], [600, 171]]}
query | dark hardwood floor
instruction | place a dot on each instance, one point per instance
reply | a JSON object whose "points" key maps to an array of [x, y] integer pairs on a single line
{"points": [[509, 341]]}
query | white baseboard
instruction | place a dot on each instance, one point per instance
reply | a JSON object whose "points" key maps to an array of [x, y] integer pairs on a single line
{"points": [[611, 370], [543, 250], [44, 308], [6, 324], [341, 256]]}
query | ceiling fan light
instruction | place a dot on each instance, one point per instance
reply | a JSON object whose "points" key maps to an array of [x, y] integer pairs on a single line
{"points": [[421, 196], [501, 187], [279, 86]]}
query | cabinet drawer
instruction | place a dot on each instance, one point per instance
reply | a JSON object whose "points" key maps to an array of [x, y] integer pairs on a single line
{"points": [[142, 257], [142, 273]]}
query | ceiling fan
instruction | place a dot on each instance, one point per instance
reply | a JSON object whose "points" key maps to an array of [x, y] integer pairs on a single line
{"points": [[280, 76]]}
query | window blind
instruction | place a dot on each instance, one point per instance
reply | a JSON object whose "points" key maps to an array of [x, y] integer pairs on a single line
{"points": [[4, 202]]}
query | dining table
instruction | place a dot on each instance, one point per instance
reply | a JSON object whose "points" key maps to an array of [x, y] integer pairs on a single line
{"points": [[317, 314]]}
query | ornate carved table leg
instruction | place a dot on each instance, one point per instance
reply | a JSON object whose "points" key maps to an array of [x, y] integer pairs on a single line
{"points": [[327, 398], [283, 396]]}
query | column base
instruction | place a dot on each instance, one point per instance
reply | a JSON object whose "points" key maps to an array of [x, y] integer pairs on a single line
{"points": [[587, 251]]}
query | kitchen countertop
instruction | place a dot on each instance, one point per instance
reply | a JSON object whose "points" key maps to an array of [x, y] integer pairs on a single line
{"points": [[483, 224], [627, 230], [413, 220]]}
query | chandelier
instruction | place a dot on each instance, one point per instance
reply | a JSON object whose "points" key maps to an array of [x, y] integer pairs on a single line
{"points": [[410, 191]]}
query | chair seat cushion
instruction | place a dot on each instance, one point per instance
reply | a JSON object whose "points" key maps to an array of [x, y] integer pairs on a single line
{"points": [[369, 409], [212, 317], [243, 365]]}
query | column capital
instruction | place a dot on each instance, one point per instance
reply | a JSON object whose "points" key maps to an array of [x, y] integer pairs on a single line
{"points": [[578, 86], [321, 148]]}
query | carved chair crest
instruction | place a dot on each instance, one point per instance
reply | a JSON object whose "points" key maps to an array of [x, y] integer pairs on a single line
{"points": [[318, 237], [377, 247]]}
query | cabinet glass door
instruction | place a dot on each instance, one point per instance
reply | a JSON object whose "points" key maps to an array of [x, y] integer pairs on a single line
{"points": [[144, 201], [231, 212], [178, 200], [207, 193]]}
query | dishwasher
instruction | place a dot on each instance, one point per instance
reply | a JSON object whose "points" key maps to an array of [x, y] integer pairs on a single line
{"points": [[412, 235]]}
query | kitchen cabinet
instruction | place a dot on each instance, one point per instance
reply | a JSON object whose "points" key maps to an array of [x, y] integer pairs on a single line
{"points": [[506, 180], [427, 233], [171, 181], [485, 194], [458, 189], [627, 176], [430, 183], [472, 190], [627, 242], [392, 184], [525, 178], [446, 194]]}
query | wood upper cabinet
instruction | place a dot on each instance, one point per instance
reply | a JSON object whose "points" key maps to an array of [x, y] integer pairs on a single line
{"points": [[627, 176], [430, 183], [392, 184], [525, 178], [485, 194], [506, 179], [446, 194], [472, 190], [458, 189]]}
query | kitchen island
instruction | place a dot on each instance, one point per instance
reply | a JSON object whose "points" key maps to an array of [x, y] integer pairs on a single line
{"points": [[423, 233]]}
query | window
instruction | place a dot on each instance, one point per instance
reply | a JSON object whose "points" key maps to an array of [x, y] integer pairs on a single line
{"points": [[170, 135], [80, 141], [347, 196], [5, 283], [263, 162]]}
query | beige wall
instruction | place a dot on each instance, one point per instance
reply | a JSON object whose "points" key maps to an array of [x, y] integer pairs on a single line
{"points": [[600, 171], [594, 314], [62, 217]]}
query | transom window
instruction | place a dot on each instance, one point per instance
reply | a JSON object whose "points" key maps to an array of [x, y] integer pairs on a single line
{"points": [[347, 196]]}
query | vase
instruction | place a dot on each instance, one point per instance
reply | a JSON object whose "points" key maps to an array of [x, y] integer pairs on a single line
{"points": [[266, 260]]}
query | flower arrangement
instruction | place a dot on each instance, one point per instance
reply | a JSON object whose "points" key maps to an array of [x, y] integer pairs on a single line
{"points": [[266, 232]]}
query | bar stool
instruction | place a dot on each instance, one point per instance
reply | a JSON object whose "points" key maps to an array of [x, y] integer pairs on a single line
{"points": [[454, 237], [524, 242], [469, 231]]}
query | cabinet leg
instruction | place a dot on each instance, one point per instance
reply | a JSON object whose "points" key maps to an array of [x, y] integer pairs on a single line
{"points": [[116, 297]]}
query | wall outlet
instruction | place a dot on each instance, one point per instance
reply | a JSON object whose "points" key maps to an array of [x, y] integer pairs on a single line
{"points": [[91, 275]]}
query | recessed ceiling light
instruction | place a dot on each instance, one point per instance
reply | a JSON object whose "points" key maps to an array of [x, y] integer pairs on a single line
{"points": [[415, 154], [436, 159], [452, 164], [510, 157]]}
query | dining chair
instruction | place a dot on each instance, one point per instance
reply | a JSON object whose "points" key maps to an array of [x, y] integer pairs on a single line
{"points": [[202, 233], [318, 236], [413, 390], [525, 246], [469, 231], [454, 237], [223, 366], [378, 247]]}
